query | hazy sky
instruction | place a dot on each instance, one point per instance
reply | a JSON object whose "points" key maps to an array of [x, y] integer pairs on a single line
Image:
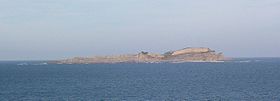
{"points": [[55, 29]]}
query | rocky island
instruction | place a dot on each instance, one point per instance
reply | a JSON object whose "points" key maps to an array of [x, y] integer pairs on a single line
{"points": [[190, 54]]}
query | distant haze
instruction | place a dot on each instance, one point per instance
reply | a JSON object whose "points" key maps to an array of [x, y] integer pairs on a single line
{"points": [[55, 29]]}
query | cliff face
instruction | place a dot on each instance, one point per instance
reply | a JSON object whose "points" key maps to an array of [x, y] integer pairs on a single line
{"points": [[178, 56]]}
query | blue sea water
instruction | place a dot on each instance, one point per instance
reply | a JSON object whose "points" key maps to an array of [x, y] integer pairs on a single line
{"points": [[239, 80]]}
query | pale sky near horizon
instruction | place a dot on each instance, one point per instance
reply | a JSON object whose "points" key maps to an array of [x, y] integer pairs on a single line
{"points": [[55, 29]]}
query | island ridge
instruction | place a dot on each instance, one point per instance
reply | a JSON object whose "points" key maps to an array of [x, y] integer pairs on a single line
{"points": [[190, 54]]}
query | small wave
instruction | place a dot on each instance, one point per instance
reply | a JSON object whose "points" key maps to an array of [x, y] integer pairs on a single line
{"points": [[258, 60], [245, 61], [22, 64], [41, 63], [241, 61], [25, 64]]}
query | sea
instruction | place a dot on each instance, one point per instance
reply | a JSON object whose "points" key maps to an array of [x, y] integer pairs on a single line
{"points": [[240, 79]]}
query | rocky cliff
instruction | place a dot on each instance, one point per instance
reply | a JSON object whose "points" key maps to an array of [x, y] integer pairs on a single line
{"points": [[179, 56]]}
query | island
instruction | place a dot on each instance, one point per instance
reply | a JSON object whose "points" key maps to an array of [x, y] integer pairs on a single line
{"points": [[190, 54]]}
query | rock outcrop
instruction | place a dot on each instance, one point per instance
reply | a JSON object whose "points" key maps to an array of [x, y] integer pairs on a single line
{"points": [[179, 56]]}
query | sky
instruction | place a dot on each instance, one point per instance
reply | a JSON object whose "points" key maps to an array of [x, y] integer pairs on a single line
{"points": [[57, 29]]}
